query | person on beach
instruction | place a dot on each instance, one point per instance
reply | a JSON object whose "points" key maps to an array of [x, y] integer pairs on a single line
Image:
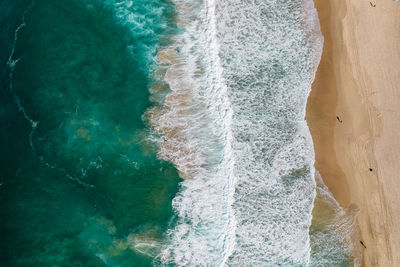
{"points": [[362, 243]]}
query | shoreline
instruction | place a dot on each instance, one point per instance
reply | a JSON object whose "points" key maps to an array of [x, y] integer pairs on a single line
{"points": [[351, 113]]}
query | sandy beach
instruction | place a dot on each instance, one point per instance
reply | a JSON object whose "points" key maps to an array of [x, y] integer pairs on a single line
{"points": [[354, 116]]}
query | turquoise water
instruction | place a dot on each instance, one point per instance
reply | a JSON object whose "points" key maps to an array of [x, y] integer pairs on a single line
{"points": [[80, 181]]}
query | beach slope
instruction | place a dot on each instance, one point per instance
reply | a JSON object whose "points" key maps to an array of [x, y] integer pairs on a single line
{"points": [[354, 117]]}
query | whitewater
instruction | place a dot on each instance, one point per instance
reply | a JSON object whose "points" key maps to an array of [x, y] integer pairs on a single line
{"points": [[230, 96]]}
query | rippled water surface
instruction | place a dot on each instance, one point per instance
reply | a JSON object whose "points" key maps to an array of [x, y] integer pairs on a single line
{"points": [[80, 181]]}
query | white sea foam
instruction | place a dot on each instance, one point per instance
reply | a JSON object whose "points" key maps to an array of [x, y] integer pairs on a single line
{"points": [[268, 50], [195, 123], [233, 124]]}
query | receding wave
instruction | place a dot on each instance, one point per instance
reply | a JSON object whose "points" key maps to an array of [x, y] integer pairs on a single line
{"points": [[333, 231]]}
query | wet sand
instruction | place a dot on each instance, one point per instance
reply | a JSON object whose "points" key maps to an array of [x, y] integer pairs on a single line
{"points": [[358, 155]]}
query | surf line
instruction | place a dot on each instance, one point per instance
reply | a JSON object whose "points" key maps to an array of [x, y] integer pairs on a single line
{"points": [[215, 49]]}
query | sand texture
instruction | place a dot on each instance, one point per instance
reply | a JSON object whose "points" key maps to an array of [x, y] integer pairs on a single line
{"points": [[358, 155]]}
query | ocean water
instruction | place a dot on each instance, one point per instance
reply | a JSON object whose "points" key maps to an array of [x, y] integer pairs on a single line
{"points": [[81, 184], [162, 133]]}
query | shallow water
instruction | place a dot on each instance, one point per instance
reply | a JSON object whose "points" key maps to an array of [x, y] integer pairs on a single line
{"points": [[332, 231]]}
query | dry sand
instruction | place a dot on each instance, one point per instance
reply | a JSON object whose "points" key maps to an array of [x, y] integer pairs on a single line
{"points": [[359, 81]]}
